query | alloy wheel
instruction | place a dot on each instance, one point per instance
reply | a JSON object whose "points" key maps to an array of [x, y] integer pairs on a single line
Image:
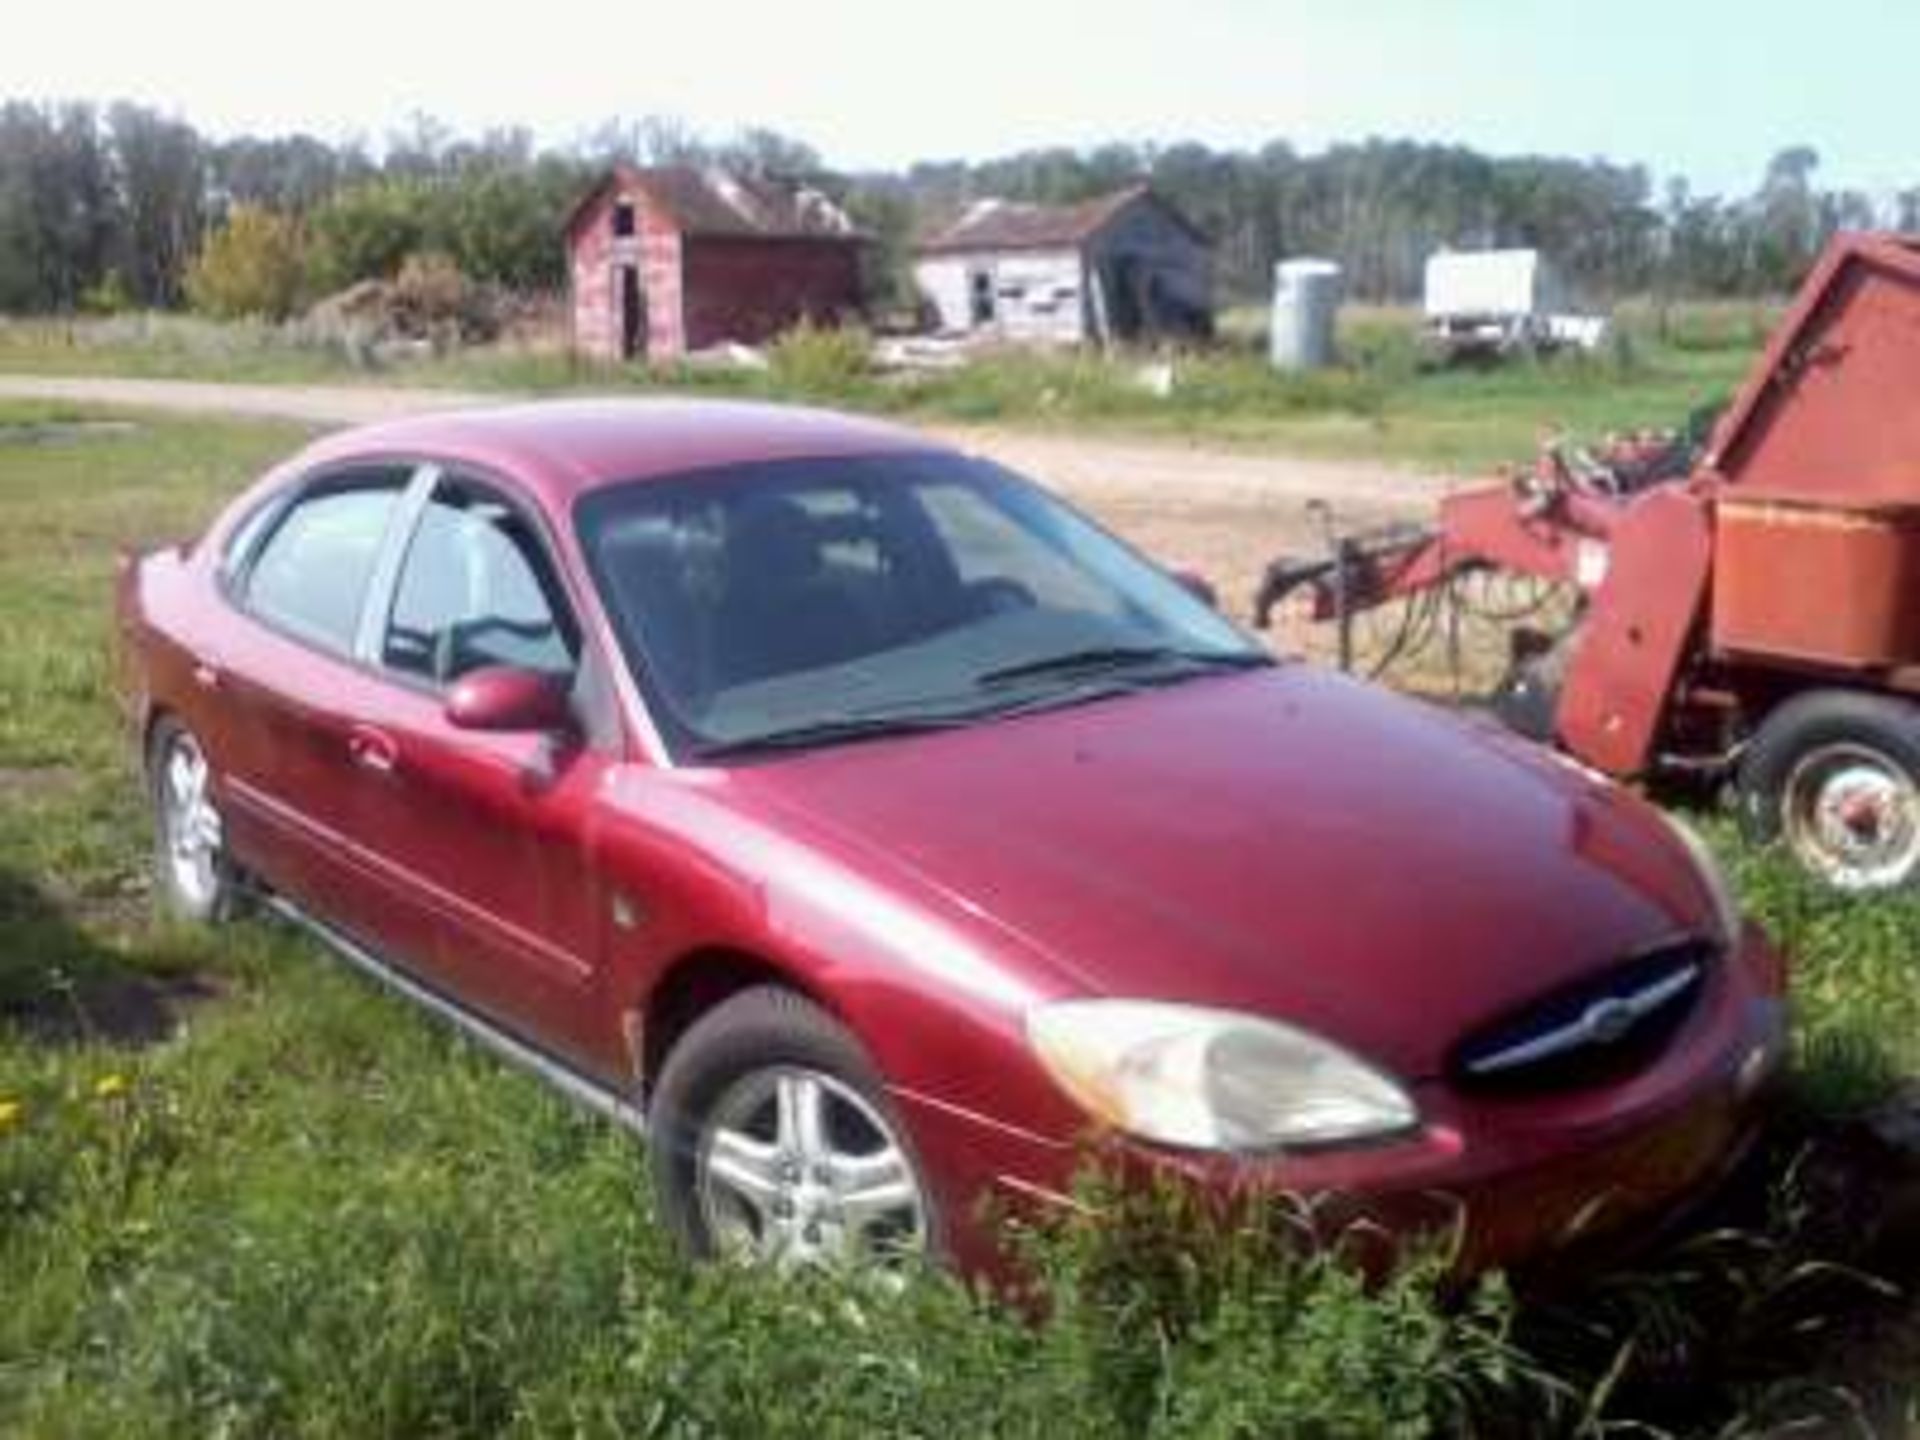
{"points": [[795, 1168]]}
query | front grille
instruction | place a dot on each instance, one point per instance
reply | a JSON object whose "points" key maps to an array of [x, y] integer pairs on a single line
{"points": [[1600, 1028]]}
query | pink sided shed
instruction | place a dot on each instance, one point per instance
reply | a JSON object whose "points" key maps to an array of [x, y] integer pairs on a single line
{"points": [[676, 258]]}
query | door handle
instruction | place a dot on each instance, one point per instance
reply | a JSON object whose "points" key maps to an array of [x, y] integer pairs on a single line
{"points": [[372, 749]]}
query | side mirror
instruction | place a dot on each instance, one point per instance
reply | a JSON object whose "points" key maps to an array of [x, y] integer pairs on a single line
{"points": [[1196, 585], [503, 697]]}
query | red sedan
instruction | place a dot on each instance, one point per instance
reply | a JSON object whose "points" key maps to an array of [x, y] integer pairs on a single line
{"points": [[872, 829]]}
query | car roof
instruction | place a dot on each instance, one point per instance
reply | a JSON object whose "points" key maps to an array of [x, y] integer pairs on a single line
{"points": [[563, 448]]}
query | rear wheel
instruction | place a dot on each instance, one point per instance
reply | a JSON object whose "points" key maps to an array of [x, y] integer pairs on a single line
{"points": [[773, 1142], [194, 878], [1836, 775]]}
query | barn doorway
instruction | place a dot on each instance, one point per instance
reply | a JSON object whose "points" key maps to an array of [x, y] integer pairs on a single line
{"points": [[980, 297], [633, 313], [1128, 297]]}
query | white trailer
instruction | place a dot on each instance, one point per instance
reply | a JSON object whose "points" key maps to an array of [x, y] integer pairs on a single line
{"points": [[1497, 302]]}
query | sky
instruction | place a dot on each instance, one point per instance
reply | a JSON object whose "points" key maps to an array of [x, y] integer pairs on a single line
{"points": [[1703, 89]]}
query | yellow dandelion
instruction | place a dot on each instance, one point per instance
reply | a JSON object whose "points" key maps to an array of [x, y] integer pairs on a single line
{"points": [[10, 1113], [109, 1086]]}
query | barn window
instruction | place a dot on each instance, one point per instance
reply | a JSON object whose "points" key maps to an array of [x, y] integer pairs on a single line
{"points": [[622, 218]]}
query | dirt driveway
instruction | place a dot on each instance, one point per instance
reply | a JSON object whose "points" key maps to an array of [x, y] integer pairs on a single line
{"points": [[1222, 511]]}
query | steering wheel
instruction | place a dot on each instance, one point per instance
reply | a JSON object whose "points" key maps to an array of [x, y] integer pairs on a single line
{"points": [[455, 644], [999, 596]]}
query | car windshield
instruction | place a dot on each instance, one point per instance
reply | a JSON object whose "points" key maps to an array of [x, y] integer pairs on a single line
{"points": [[793, 603]]}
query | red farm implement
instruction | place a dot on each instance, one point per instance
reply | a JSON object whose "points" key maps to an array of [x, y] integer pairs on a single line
{"points": [[1746, 602]]}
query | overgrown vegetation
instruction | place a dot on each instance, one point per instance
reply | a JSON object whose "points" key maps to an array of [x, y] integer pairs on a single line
{"points": [[250, 268], [312, 1211], [1379, 404]]}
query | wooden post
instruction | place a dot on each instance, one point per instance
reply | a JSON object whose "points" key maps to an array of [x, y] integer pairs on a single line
{"points": [[1102, 325]]}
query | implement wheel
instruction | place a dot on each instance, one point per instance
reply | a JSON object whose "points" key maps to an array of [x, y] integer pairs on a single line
{"points": [[1836, 775]]}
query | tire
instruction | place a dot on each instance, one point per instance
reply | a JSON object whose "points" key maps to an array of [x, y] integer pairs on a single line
{"points": [[1835, 774], [772, 1140], [194, 878]]}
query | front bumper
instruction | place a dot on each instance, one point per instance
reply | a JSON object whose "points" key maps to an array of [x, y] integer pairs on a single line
{"points": [[1512, 1180]]}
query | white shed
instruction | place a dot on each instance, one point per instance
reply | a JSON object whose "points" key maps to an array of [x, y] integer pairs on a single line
{"points": [[1126, 266]]}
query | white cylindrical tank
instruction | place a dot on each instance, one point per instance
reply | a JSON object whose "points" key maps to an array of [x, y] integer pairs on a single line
{"points": [[1306, 299]]}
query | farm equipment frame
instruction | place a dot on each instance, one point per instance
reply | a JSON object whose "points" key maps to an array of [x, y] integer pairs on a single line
{"points": [[1747, 599]]}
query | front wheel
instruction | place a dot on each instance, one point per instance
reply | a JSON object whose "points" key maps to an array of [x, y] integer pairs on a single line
{"points": [[1836, 775], [194, 879], [773, 1142]]}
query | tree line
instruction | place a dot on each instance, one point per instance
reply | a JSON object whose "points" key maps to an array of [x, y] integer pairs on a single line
{"points": [[122, 206]]}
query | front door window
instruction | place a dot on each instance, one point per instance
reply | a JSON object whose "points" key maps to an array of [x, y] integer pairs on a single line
{"points": [[476, 589]]}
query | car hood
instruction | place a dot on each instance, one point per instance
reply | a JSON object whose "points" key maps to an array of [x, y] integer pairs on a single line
{"points": [[1286, 841]]}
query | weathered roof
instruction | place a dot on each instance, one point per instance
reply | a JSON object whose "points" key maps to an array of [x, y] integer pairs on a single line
{"points": [[711, 201], [1009, 225]]}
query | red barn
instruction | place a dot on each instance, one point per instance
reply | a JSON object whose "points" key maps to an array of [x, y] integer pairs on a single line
{"points": [[667, 260]]}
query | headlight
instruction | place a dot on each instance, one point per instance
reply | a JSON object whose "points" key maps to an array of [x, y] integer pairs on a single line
{"points": [[1713, 879], [1212, 1079]]}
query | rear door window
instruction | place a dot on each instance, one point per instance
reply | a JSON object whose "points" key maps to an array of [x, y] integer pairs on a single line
{"points": [[310, 576]]}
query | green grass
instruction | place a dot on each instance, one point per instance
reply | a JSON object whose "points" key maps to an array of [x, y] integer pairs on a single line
{"points": [[312, 1211], [1856, 980], [1380, 404]]}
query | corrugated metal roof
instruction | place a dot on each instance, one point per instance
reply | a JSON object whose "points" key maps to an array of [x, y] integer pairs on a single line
{"points": [[716, 202], [1008, 225]]}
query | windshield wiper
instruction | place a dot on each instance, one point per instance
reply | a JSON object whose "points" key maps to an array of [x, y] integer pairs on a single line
{"points": [[1088, 668], [1098, 658], [836, 729]]}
